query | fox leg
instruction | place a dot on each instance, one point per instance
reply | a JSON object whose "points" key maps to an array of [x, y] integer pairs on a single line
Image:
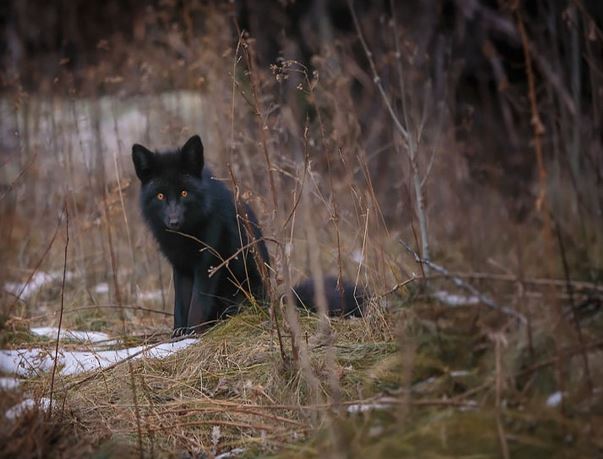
{"points": [[204, 301], [183, 290]]}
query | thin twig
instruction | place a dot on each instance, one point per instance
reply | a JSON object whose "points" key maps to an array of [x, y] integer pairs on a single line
{"points": [[255, 88], [123, 320], [576, 284], [38, 264], [15, 182], [229, 408], [115, 306], [410, 142], [464, 285], [565, 264], [56, 349], [499, 340], [536, 121], [564, 353], [398, 286], [213, 422], [376, 78]]}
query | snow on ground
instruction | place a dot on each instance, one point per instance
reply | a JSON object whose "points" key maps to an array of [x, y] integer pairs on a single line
{"points": [[459, 373], [152, 295], [452, 299], [232, 453], [29, 362], [26, 405], [364, 407], [554, 399], [101, 288], [73, 335], [7, 383], [358, 256], [25, 290]]}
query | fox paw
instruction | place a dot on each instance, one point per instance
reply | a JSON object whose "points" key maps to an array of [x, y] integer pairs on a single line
{"points": [[182, 331]]}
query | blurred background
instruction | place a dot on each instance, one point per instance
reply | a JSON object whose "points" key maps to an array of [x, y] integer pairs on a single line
{"points": [[504, 179], [469, 129]]}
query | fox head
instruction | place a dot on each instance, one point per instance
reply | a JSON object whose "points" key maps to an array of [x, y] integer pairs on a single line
{"points": [[173, 190]]}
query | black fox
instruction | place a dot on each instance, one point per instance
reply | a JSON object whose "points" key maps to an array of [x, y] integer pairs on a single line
{"points": [[217, 251], [343, 300]]}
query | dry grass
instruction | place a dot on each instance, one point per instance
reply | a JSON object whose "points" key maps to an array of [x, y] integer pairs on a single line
{"points": [[434, 379], [331, 175]]}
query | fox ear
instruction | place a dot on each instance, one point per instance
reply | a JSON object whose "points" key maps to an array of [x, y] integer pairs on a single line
{"points": [[143, 160], [192, 155]]}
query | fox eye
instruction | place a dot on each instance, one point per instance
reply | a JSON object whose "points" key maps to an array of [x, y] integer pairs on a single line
{"points": [[184, 193], [160, 196]]}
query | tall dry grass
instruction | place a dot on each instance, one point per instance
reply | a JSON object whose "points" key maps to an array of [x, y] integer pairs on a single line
{"points": [[382, 135]]}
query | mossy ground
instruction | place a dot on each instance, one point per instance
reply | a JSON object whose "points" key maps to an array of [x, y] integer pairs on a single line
{"points": [[433, 383]]}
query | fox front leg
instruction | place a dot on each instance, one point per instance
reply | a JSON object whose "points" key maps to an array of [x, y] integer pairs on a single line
{"points": [[183, 291], [204, 304]]}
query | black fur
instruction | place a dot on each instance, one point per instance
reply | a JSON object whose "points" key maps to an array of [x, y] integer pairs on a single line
{"points": [[345, 300], [201, 229], [197, 232]]}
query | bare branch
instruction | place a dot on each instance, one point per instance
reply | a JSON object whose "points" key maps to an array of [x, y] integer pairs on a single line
{"points": [[464, 285], [376, 78]]}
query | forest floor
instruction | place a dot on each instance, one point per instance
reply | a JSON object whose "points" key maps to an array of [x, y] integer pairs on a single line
{"points": [[415, 379]]}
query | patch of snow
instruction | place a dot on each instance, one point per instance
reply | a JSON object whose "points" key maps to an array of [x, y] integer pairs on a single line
{"points": [[288, 249], [425, 385], [232, 453], [375, 431], [554, 399], [357, 256], [152, 295], [364, 407], [384, 403], [25, 290], [26, 405], [72, 335], [28, 362], [216, 433], [469, 405], [101, 287], [452, 299], [459, 373], [7, 383]]}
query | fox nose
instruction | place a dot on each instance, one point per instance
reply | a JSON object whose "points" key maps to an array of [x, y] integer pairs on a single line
{"points": [[173, 223], [173, 216]]}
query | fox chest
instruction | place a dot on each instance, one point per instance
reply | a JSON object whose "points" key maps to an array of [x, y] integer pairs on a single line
{"points": [[187, 253]]}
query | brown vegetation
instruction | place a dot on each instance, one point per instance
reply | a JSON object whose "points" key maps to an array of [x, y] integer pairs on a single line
{"points": [[469, 131]]}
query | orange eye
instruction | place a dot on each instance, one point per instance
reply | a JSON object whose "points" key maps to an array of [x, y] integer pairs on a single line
{"points": [[160, 196], [184, 193]]}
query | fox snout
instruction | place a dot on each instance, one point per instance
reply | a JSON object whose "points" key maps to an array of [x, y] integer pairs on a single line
{"points": [[173, 217], [172, 223]]}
